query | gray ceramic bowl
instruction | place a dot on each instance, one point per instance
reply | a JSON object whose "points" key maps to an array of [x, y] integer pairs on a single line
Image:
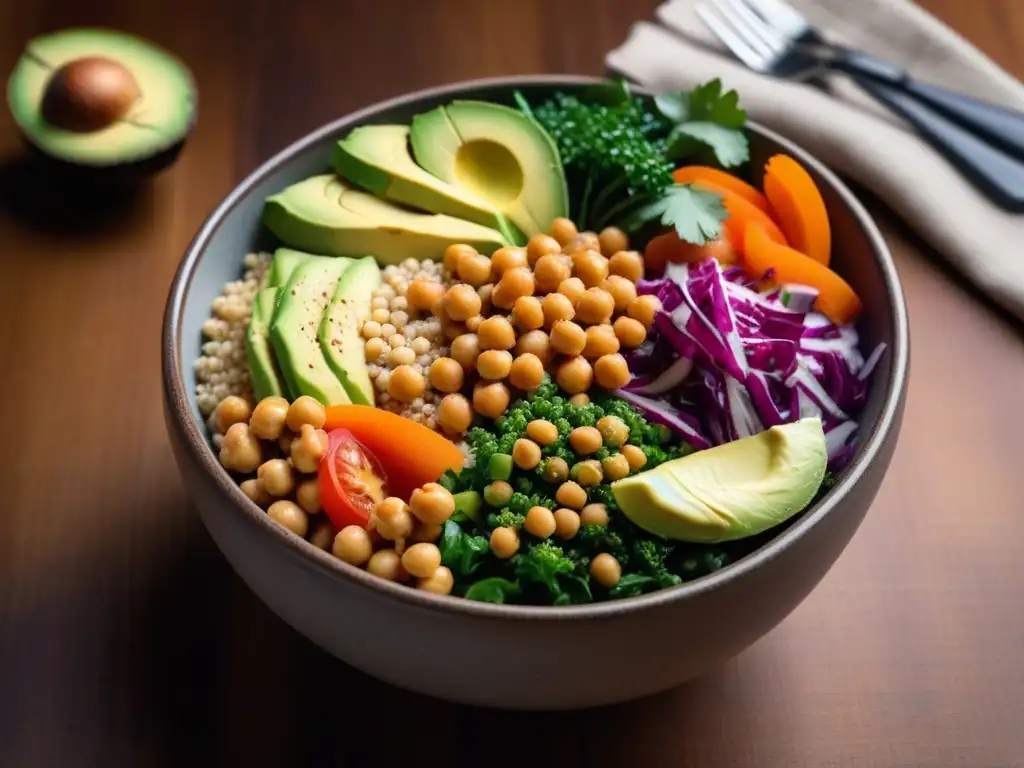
{"points": [[509, 656]]}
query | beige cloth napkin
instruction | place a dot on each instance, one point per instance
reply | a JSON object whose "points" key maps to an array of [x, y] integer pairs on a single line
{"points": [[852, 133]]}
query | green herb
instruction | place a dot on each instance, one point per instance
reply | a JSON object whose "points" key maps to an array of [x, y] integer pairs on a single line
{"points": [[696, 213], [706, 116], [632, 584], [492, 590], [543, 564], [461, 552]]}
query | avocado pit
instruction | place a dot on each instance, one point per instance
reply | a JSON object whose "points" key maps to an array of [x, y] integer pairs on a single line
{"points": [[89, 94]]}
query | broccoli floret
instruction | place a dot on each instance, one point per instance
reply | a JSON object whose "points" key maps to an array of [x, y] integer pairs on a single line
{"points": [[650, 556], [483, 444], [585, 415], [506, 519], [519, 503], [602, 453], [563, 426], [541, 409], [505, 443], [540, 500], [545, 392], [512, 425], [543, 563], [595, 539]]}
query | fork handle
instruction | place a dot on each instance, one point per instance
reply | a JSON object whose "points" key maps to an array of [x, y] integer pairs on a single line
{"points": [[1001, 127], [997, 174]]}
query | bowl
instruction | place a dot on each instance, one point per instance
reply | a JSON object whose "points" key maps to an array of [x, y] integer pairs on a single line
{"points": [[520, 657]]}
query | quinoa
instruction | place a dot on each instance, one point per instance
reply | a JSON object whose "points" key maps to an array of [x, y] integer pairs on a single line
{"points": [[223, 368]]}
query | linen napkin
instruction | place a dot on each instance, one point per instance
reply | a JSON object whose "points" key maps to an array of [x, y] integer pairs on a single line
{"points": [[851, 132]]}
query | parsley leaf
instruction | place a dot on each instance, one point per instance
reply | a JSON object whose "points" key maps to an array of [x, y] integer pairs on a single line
{"points": [[696, 214], [730, 145], [460, 551], [706, 116]]}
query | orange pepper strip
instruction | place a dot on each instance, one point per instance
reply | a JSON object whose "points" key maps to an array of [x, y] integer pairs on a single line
{"points": [[799, 207]]}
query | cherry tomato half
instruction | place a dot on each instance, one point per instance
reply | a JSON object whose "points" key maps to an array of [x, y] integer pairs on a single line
{"points": [[352, 480]]}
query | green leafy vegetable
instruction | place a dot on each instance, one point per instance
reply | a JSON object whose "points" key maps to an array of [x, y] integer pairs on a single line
{"points": [[696, 214], [706, 116], [492, 590], [543, 564], [460, 551]]}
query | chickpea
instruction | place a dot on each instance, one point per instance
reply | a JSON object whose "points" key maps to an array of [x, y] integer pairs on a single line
{"points": [[305, 410], [426, 531], [465, 350], [527, 372], [307, 495], [612, 240], [557, 307], [461, 302], [567, 337], [432, 503], [527, 313], [421, 560], [567, 523], [563, 230], [268, 418], [634, 456], [371, 329], [485, 292], [615, 467], [473, 323], [571, 494], [406, 384], [611, 371], [440, 582], [390, 507], [322, 535], [474, 269], [402, 356], [535, 343], [542, 431], [541, 245], [232, 410], [587, 473], [595, 306], [374, 348], [526, 453], [277, 477], [387, 564], [437, 309], [504, 542], [605, 570], [585, 440], [540, 522], [454, 414], [452, 329], [308, 448], [490, 399], [572, 288], [579, 400], [397, 527], [505, 259], [556, 469], [613, 430], [630, 333], [241, 450], [594, 514], [498, 493], [584, 241], [290, 515], [621, 290], [496, 333], [494, 364], [628, 264], [253, 488], [454, 252], [591, 267], [516, 282], [446, 375], [601, 340], [549, 272], [423, 293], [644, 309], [575, 375]]}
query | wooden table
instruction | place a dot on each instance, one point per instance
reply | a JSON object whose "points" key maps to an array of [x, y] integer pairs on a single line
{"points": [[125, 638]]}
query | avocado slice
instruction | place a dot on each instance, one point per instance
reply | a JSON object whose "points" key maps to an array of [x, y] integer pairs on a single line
{"points": [[732, 491], [496, 153], [339, 330], [284, 263], [377, 158], [293, 330], [98, 97], [262, 369], [326, 215]]}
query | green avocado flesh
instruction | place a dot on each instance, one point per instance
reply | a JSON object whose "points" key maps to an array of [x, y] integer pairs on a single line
{"points": [[339, 337], [496, 153], [732, 491], [284, 263], [377, 158], [262, 369], [161, 117], [328, 216]]}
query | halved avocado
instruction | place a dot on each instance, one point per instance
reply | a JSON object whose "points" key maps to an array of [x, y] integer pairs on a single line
{"points": [[98, 98]]}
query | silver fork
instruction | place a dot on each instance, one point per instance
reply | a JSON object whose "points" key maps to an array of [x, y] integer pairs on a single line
{"points": [[983, 140]]}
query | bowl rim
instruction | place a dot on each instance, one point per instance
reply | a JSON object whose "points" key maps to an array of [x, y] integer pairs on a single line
{"points": [[201, 453]]}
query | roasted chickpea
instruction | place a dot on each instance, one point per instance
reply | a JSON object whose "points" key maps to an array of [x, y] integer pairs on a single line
{"points": [[605, 570], [526, 453], [571, 494], [307, 495], [630, 333], [549, 272], [454, 252], [516, 282], [563, 230], [398, 526], [490, 399], [308, 448], [534, 343], [406, 384], [465, 350], [241, 450], [268, 418], [390, 507], [615, 467], [231, 410], [494, 364], [496, 333], [426, 531], [555, 469], [421, 560], [422, 294], [590, 267], [290, 515], [568, 338], [440, 582], [474, 269], [594, 514], [527, 372], [528, 313], [595, 307], [485, 292], [634, 456], [611, 371], [557, 307], [454, 414], [322, 535], [387, 564], [575, 375], [473, 323], [374, 348], [542, 431], [446, 375], [498, 493], [540, 522], [579, 399], [585, 440], [587, 473], [567, 523], [277, 477], [584, 241], [621, 290], [541, 245], [461, 302], [437, 310], [612, 240], [253, 488], [644, 309], [628, 264], [504, 542], [371, 330], [613, 430], [572, 288], [452, 329], [505, 259], [432, 503], [601, 340], [305, 410]]}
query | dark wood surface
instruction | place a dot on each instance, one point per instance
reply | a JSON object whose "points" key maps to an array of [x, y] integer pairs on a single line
{"points": [[126, 640]]}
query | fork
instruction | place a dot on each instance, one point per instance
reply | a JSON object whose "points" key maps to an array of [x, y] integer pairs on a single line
{"points": [[981, 139]]}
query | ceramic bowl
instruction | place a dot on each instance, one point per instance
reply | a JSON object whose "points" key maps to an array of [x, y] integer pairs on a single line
{"points": [[512, 656]]}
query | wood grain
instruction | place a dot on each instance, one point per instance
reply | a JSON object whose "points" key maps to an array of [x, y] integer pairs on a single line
{"points": [[127, 640]]}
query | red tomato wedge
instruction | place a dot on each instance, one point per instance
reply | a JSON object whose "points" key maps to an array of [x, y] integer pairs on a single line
{"points": [[352, 480]]}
